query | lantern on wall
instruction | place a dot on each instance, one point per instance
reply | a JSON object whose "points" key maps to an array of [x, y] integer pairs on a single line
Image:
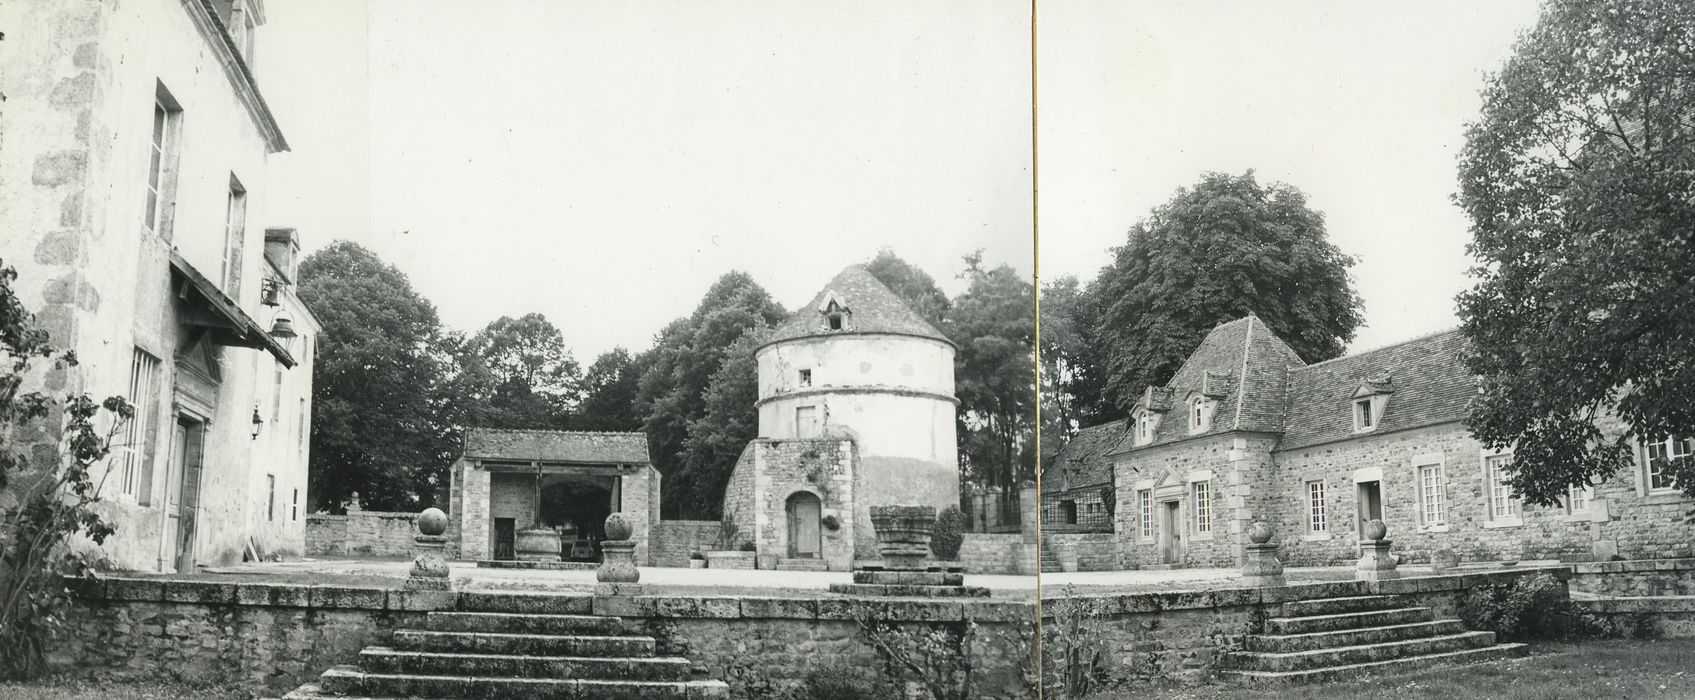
{"points": [[258, 421]]}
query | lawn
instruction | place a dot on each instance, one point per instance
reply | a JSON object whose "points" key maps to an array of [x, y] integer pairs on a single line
{"points": [[1612, 669]]}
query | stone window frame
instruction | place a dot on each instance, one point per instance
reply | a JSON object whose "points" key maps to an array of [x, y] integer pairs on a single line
{"points": [[803, 377], [1145, 512], [1438, 462], [1197, 512], [164, 161], [1147, 424], [1200, 415], [1368, 409], [1646, 459], [235, 237], [1490, 520], [1317, 511], [136, 475]]}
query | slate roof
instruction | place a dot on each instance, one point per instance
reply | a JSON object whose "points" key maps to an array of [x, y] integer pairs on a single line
{"points": [[1430, 385], [582, 447], [1242, 366], [872, 308], [1083, 462]]}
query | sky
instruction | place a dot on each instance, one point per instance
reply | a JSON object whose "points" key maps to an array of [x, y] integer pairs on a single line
{"points": [[1361, 105], [604, 163]]}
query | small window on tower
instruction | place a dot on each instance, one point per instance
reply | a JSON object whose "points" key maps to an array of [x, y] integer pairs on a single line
{"points": [[806, 377], [835, 322]]}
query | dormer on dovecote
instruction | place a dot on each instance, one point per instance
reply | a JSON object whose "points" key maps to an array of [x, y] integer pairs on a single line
{"points": [[836, 315]]}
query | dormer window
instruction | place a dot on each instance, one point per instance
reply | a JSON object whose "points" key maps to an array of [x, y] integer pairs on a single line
{"points": [[805, 377], [834, 321], [1200, 414], [1145, 428], [1365, 414], [835, 312]]}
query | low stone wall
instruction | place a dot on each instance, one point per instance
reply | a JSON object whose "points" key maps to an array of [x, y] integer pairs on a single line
{"points": [[365, 533], [272, 637], [674, 540], [1666, 617], [1636, 577], [1180, 635], [983, 553], [1095, 551]]}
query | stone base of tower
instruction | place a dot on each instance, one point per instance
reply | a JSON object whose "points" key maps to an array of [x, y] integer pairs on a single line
{"points": [[794, 499]]}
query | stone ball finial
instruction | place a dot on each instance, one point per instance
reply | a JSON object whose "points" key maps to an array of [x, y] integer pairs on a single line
{"points": [[618, 527], [1376, 530], [432, 522], [1259, 532]]}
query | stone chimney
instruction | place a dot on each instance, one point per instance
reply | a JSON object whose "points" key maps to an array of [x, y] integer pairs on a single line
{"points": [[282, 249]]}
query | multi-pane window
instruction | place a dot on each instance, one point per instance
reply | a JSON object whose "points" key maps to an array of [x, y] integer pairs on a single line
{"points": [[1432, 495], [1197, 414], [1364, 418], [143, 395], [1503, 504], [806, 377], [235, 235], [1661, 452], [161, 157], [1203, 506], [1145, 499], [1579, 498], [1315, 507], [1144, 429]]}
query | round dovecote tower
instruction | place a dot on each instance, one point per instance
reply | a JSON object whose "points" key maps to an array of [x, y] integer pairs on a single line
{"points": [[858, 363]]}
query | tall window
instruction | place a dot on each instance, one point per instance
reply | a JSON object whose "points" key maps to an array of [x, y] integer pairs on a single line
{"points": [[1503, 504], [1579, 498], [1203, 506], [1315, 507], [1364, 418], [1660, 452], [806, 421], [276, 393], [1197, 414], [1145, 499], [235, 236], [1432, 495], [143, 395], [270, 497], [300, 424], [161, 159], [1144, 429], [294, 506]]}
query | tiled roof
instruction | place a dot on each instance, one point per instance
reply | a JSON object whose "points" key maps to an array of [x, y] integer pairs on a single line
{"points": [[557, 446], [1429, 383], [872, 308], [1084, 460], [1242, 366]]}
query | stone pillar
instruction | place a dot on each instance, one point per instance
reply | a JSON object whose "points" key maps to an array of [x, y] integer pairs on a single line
{"points": [[474, 524], [1376, 563], [1260, 565], [618, 551], [1029, 523], [635, 506]]}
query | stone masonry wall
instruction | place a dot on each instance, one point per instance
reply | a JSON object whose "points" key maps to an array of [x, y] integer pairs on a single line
{"points": [[1231, 462], [1096, 551], [1641, 577], [366, 533], [824, 468], [983, 553], [674, 540]]}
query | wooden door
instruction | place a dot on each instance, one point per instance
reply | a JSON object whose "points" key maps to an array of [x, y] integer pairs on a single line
{"points": [[186, 458], [505, 539], [1171, 533], [805, 512]]}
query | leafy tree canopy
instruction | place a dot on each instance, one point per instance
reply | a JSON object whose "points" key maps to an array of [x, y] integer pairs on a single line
{"points": [[994, 323], [1578, 178], [609, 393], [728, 423], [913, 285], [1218, 250], [524, 374]]}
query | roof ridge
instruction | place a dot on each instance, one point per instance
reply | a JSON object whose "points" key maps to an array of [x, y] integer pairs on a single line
{"points": [[1242, 376], [558, 432], [1380, 348]]}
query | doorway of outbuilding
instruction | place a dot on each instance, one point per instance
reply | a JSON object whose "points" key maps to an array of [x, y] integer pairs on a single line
{"points": [[577, 507], [805, 514]]}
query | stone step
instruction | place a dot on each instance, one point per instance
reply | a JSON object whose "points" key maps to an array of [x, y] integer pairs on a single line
{"points": [[526, 603], [1346, 621], [1406, 664], [523, 644], [1336, 606], [346, 680], [526, 624], [802, 565], [1363, 654], [650, 668], [1349, 638]]}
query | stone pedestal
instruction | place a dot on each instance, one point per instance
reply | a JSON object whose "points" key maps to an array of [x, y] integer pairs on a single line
{"points": [[1260, 566], [617, 562], [1376, 563], [429, 568], [903, 535]]}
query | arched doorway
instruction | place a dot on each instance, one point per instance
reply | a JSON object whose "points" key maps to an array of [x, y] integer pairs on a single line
{"points": [[805, 533]]}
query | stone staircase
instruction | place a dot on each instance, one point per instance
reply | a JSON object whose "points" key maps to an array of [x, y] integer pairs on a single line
{"points": [[1332, 638], [1049, 560], [507, 651]]}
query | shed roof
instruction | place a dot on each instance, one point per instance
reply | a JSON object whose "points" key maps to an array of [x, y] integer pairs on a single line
{"points": [[1084, 460], [582, 447]]}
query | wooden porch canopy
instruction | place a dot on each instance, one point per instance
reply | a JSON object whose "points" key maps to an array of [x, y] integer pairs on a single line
{"points": [[207, 307]]}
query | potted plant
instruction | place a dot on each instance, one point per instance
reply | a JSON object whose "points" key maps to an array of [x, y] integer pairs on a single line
{"points": [[697, 560]]}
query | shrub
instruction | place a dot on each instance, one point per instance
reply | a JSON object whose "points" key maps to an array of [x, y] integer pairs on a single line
{"points": [[53, 504], [948, 533], [1536, 606]]}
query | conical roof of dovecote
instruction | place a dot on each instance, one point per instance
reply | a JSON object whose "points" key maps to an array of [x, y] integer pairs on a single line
{"points": [[867, 307]]}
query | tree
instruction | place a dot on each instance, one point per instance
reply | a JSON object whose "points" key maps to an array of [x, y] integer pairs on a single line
{"points": [[609, 394], [534, 380], [729, 421], [1577, 177], [1066, 383], [1217, 251], [914, 286], [675, 372], [994, 323], [377, 425]]}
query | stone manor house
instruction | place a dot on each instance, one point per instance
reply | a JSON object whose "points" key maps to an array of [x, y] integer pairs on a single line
{"points": [[1246, 431], [133, 158]]}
